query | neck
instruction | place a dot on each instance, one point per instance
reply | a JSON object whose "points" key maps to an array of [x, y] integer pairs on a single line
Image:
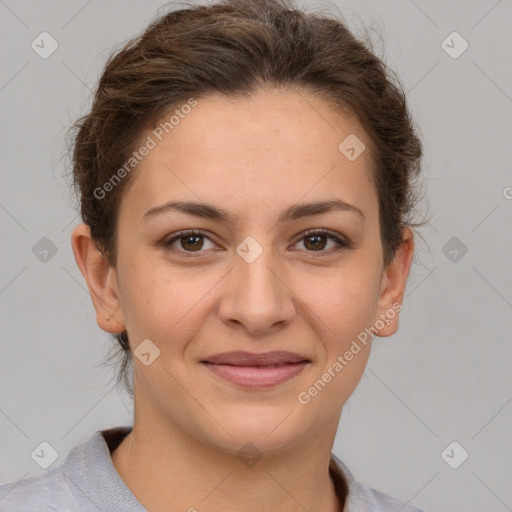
{"points": [[170, 470]]}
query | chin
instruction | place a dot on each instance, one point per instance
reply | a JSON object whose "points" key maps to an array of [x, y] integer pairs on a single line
{"points": [[270, 431]]}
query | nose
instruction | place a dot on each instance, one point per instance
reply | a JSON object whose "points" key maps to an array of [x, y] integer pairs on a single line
{"points": [[257, 296]]}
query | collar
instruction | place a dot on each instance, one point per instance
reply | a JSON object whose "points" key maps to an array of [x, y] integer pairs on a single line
{"points": [[90, 465]]}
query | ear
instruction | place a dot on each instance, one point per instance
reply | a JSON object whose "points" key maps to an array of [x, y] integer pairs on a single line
{"points": [[101, 280], [393, 283]]}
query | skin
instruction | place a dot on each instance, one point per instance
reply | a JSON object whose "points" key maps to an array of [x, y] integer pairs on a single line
{"points": [[255, 158]]}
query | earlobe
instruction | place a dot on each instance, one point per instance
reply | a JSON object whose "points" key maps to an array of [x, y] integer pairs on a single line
{"points": [[393, 286], [100, 278]]}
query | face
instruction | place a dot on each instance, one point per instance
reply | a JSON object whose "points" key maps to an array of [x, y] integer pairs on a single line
{"points": [[269, 276]]}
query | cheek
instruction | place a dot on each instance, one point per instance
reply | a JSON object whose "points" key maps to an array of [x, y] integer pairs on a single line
{"points": [[345, 309], [163, 303], [344, 301]]}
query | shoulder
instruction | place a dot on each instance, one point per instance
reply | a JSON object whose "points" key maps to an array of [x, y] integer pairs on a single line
{"points": [[361, 498], [86, 480], [50, 491], [379, 502]]}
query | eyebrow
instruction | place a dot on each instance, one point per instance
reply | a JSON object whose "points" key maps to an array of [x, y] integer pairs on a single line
{"points": [[208, 211]]}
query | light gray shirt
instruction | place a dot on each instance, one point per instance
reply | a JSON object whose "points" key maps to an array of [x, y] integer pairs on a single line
{"points": [[88, 481]]}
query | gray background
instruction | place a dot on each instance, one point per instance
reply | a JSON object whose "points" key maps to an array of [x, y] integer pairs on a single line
{"points": [[444, 377]]}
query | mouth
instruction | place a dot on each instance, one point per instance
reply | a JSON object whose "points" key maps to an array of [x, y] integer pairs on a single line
{"points": [[251, 370]]}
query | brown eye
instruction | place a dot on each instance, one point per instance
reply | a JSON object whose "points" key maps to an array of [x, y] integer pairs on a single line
{"points": [[315, 242], [318, 240], [189, 241]]}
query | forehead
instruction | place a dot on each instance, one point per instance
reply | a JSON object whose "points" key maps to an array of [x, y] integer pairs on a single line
{"points": [[254, 153]]}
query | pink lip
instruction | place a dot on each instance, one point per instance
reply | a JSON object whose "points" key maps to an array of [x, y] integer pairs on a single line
{"points": [[256, 370]]}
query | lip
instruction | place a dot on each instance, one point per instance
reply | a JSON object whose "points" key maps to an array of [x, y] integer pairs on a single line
{"points": [[241, 358], [252, 370]]}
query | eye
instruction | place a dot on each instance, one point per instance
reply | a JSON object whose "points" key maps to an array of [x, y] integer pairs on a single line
{"points": [[316, 240], [189, 241]]}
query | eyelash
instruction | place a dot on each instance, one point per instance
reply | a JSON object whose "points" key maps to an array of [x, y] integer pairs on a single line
{"points": [[341, 243]]}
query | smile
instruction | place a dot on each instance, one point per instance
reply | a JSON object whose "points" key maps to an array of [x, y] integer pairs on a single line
{"points": [[257, 376]]}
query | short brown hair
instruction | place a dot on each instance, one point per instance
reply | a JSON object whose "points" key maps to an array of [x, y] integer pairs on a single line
{"points": [[232, 47]]}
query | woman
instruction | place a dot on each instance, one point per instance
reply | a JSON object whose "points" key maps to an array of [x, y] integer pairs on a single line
{"points": [[245, 176]]}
